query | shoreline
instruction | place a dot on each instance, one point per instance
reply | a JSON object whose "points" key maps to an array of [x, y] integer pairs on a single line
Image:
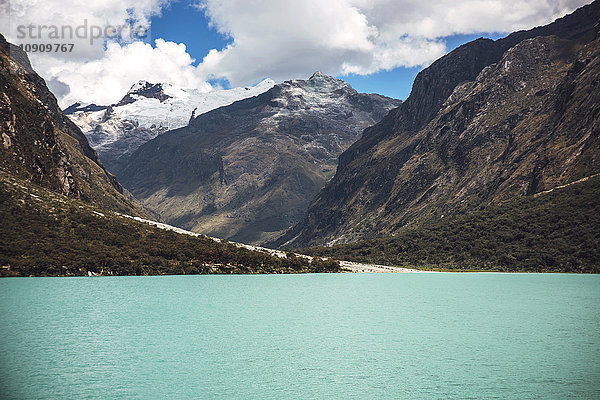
{"points": [[359, 268]]}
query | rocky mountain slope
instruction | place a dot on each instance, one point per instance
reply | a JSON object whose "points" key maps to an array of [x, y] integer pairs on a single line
{"points": [[147, 110], [39, 144], [553, 231], [248, 171], [490, 121]]}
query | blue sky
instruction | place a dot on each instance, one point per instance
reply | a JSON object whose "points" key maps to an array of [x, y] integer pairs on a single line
{"points": [[182, 23], [378, 46]]}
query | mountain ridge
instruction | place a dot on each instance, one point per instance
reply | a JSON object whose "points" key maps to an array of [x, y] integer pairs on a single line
{"points": [[422, 151], [247, 171], [147, 110]]}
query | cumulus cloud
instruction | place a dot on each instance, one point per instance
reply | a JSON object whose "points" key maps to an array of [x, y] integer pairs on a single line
{"points": [[105, 80], [280, 39], [289, 38], [99, 69], [31, 21]]}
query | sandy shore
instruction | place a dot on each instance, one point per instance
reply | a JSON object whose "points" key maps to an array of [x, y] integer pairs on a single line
{"points": [[373, 268]]}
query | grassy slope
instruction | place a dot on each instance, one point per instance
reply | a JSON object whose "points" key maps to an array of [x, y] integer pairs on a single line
{"points": [[553, 232], [46, 234]]}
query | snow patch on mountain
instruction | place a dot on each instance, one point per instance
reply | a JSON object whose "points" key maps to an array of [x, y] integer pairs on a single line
{"points": [[146, 111]]}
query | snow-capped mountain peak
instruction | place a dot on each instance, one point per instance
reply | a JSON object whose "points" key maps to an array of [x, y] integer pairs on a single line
{"points": [[148, 90], [147, 110], [139, 85], [320, 82]]}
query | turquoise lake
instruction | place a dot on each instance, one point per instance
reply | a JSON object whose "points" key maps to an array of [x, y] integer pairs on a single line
{"points": [[337, 336]]}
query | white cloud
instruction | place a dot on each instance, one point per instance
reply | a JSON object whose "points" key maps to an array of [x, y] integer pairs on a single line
{"points": [[290, 38], [439, 18], [280, 39], [105, 80], [98, 70], [31, 21]]}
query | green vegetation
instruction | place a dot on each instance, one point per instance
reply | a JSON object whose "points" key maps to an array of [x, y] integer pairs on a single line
{"points": [[47, 234], [553, 232]]}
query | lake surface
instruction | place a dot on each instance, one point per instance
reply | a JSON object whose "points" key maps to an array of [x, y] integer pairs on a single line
{"points": [[342, 336]]}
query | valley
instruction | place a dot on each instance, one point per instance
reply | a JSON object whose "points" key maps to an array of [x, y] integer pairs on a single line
{"points": [[490, 164]]}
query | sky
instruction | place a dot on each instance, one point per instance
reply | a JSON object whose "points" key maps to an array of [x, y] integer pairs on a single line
{"points": [[378, 46]]}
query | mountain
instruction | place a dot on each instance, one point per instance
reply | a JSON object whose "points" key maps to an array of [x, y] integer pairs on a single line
{"points": [[63, 215], [39, 144], [248, 171], [553, 231], [488, 122], [146, 111]]}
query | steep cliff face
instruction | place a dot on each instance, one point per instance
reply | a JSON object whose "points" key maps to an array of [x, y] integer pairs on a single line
{"points": [[248, 171], [40, 144], [487, 122]]}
